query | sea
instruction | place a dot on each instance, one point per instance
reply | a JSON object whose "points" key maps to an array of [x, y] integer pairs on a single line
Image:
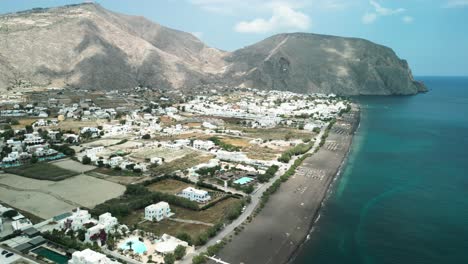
{"points": [[403, 195]]}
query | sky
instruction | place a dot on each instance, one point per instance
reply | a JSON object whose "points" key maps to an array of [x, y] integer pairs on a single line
{"points": [[431, 34]]}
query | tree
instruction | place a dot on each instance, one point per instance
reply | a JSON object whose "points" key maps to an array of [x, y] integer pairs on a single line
{"points": [[185, 237], [179, 252], [34, 159], [146, 136], [29, 129], [169, 258], [199, 259], [130, 244], [86, 160], [10, 213], [81, 234]]}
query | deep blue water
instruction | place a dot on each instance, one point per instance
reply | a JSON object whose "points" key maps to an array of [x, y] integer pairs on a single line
{"points": [[403, 196]]}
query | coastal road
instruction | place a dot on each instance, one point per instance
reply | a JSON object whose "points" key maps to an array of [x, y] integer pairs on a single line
{"points": [[276, 233], [250, 208]]}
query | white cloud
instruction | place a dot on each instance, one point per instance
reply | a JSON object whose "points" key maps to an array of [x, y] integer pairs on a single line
{"points": [[383, 11], [456, 3], [407, 19], [379, 11], [284, 17], [369, 18]]}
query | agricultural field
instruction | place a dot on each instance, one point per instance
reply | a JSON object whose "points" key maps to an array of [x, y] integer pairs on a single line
{"points": [[42, 171], [50, 198], [72, 165]]}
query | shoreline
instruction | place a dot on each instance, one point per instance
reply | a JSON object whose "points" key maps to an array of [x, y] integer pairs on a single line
{"points": [[277, 236], [328, 192]]}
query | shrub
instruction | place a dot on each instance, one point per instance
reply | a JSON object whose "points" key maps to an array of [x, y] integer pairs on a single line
{"points": [[86, 160]]}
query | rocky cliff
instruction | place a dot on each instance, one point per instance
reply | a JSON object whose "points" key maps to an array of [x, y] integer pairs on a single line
{"points": [[86, 46]]}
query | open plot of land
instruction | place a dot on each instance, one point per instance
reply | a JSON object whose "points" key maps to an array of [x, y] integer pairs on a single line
{"points": [[131, 178], [191, 135], [212, 215], [262, 153], [235, 141], [23, 122], [75, 125], [126, 145], [169, 186], [165, 226], [102, 142], [48, 198], [72, 165], [42, 171], [167, 154], [183, 163]]}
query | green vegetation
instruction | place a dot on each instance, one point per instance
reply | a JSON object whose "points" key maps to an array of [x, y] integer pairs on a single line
{"points": [[228, 147], [295, 151], [72, 241], [42, 171], [65, 149], [179, 252], [268, 174], [86, 160], [169, 258], [137, 197], [210, 251]]}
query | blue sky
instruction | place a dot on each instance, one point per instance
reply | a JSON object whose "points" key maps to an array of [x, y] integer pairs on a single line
{"points": [[431, 34]]}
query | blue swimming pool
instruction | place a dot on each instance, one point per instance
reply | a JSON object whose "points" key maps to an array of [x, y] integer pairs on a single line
{"points": [[137, 246], [243, 180]]}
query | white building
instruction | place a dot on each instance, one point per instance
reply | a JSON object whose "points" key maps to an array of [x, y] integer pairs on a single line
{"points": [[193, 194], [89, 256], [203, 144], [158, 211], [156, 160], [106, 222], [76, 220]]}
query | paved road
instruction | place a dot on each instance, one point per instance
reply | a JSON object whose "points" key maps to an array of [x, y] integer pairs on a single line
{"points": [[250, 208]]}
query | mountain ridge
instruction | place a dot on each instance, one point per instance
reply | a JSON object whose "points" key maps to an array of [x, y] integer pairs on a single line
{"points": [[89, 47]]}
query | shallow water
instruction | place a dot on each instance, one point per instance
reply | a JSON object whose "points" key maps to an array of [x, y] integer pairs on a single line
{"points": [[403, 196]]}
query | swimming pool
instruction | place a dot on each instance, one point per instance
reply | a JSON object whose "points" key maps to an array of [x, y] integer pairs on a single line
{"points": [[137, 246], [51, 255], [243, 180]]}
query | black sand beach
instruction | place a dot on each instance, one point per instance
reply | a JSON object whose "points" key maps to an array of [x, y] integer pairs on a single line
{"points": [[278, 231]]}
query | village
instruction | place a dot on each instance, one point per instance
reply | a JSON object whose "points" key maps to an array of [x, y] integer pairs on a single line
{"points": [[129, 178]]}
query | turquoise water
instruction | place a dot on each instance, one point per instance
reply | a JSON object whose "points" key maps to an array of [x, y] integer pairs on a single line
{"points": [[137, 246], [243, 180], [51, 255], [403, 196]]}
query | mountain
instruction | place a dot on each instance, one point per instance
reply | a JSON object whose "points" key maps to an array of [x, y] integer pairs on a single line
{"points": [[89, 47]]}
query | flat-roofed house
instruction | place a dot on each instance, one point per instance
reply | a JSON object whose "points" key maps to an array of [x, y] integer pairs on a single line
{"points": [[197, 195], [158, 211]]}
